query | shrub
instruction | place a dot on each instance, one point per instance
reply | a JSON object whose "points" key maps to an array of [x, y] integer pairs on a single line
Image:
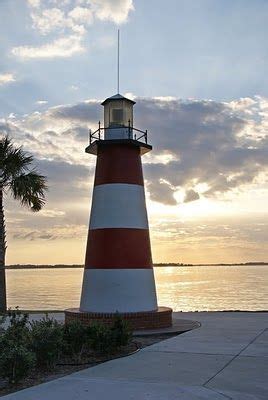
{"points": [[120, 332], [75, 338], [16, 333], [2, 319], [100, 339], [105, 339], [18, 327], [16, 362], [46, 341]]}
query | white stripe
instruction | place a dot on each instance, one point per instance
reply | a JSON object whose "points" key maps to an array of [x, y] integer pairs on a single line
{"points": [[122, 290], [118, 205]]}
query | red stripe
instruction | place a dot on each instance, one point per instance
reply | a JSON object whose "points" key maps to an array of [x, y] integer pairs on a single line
{"points": [[118, 163], [118, 248]]}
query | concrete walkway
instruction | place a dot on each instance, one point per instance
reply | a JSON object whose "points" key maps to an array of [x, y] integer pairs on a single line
{"points": [[227, 358]]}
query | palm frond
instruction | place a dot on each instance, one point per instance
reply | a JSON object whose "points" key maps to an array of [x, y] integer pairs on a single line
{"points": [[13, 160], [29, 188]]}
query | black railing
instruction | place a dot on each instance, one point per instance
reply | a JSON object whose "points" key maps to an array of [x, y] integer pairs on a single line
{"points": [[100, 132]]}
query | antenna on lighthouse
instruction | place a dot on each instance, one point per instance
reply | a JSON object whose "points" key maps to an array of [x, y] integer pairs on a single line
{"points": [[118, 38]]}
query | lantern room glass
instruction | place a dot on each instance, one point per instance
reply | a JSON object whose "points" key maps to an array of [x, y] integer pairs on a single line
{"points": [[118, 113]]}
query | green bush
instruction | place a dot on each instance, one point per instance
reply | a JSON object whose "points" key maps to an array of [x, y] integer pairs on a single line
{"points": [[100, 339], [16, 362], [18, 327], [75, 338], [46, 341], [107, 339], [16, 332], [120, 332], [2, 321], [24, 344]]}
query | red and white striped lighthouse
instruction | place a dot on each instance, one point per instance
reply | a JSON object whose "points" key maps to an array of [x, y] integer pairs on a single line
{"points": [[118, 275]]}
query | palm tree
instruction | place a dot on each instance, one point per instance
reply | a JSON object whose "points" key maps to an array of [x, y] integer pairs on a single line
{"points": [[24, 183]]}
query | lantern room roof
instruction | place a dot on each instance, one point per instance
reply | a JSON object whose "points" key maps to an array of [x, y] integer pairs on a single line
{"points": [[116, 97]]}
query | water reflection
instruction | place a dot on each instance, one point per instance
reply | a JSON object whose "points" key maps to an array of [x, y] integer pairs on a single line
{"points": [[182, 288]]}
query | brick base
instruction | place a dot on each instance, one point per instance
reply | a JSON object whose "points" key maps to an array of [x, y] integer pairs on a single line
{"points": [[162, 318]]}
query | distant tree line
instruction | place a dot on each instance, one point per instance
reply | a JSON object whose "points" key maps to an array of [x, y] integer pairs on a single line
{"points": [[43, 266]]}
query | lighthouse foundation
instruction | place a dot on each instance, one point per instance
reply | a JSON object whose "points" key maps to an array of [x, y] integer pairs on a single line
{"points": [[161, 318]]}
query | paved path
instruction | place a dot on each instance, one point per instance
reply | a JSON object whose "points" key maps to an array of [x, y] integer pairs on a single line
{"points": [[227, 358]]}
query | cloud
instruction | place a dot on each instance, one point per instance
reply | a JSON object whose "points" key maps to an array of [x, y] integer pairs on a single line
{"points": [[242, 104], [41, 102], [69, 21], [34, 3], [87, 111], [81, 15], [62, 47], [6, 78], [160, 190], [201, 148], [221, 239], [51, 213], [60, 20], [74, 14], [213, 146], [191, 195], [49, 20], [54, 233], [112, 10]]}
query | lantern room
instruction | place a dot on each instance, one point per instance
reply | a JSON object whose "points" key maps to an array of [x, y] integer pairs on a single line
{"points": [[118, 112], [118, 125]]}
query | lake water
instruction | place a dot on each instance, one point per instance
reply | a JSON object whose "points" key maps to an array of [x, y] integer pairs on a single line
{"points": [[182, 288]]}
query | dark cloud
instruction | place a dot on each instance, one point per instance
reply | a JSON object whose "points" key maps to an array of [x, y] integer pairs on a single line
{"points": [[63, 174], [54, 233], [34, 235], [210, 144], [81, 112], [200, 149], [191, 195], [160, 190], [67, 183], [208, 147]]}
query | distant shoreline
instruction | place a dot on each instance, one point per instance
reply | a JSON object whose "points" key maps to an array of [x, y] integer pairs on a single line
{"points": [[59, 266]]}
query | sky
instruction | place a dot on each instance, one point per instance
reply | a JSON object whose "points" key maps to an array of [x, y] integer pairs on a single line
{"points": [[197, 70]]}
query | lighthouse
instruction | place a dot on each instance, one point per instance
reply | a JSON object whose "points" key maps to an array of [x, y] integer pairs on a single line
{"points": [[118, 274]]}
